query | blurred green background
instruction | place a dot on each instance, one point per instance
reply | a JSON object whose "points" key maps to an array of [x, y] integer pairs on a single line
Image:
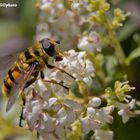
{"points": [[18, 27]]}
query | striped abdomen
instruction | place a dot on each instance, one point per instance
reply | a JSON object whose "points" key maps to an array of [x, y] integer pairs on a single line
{"points": [[21, 65], [10, 80]]}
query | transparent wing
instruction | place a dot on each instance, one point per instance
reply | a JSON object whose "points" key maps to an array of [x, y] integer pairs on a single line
{"points": [[18, 88], [9, 53]]}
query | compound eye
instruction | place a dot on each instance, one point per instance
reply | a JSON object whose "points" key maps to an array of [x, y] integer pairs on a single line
{"points": [[48, 47]]}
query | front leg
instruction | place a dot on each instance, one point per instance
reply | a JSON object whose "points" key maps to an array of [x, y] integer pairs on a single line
{"points": [[48, 65], [51, 67], [52, 81]]}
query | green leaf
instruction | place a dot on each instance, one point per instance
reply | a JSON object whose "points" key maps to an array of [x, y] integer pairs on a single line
{"points": [[133, 55]]}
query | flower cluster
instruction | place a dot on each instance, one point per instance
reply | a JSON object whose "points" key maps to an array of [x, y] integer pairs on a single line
{"points": [[57, 13], [55, 111], [49, 108], [124, 103], [52, 109], [90, 42], [72, 101]]}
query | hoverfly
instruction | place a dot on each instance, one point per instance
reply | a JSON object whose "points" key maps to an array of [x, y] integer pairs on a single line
{"points": [[28, 66]]}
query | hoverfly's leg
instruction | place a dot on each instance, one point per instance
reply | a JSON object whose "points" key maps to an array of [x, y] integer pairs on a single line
{"points": [[65, 72], [42, 75], [52, 81], [21, 115], [32, 80], [37, 135], [55, 82], [51, 67]]}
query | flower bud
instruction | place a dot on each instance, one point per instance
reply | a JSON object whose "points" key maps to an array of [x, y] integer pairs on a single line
{"points": [[95, 102]]}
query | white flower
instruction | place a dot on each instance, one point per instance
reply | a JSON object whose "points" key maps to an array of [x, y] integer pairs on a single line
{"points": [[47, 123], [32, 113], [53, 114], [125, 110], [75, 6], [103, 114], [84, 44], [46, 5], [103, 135], [89, 42], [88, 124], [56, 15], [75, 64]]}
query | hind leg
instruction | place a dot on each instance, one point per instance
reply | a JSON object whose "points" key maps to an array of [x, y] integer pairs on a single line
{"points": [[31, 81], [21, 115]]}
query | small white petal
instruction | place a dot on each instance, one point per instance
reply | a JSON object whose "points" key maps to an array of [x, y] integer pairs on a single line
{"points": [[62, 121], [52, 101], [72, 104], [61, 112], [75, 6], [46, 94], [89, 67], [94, 125], [90, 111], [132, 103], [46, 6], [71, 117], [109, 109], [125, 118], [41, 87], [60, 6], [120, 106], [121, 112], [103, 116], [56, 107], [47, 136], [60, 131], [88, 80], [95, 102], [103, 135], [85, 124]]}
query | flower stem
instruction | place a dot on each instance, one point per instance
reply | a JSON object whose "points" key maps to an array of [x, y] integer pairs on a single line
{"points": [[114, 42]]}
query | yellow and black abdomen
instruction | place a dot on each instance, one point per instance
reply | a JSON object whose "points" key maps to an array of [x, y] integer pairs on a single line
{"points": [[10, 80], [24, 61]]}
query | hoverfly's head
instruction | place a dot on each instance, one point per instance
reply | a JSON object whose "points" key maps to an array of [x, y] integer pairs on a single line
{"points": [[51, 48]]}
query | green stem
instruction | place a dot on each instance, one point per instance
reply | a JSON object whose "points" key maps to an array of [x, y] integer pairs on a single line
{"points": [[118, 49], [121, 57]]}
